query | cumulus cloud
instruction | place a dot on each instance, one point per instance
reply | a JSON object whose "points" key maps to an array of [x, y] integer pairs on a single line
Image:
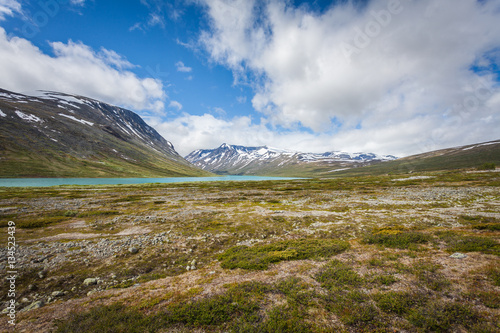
{"points": [[182, 68], [8, 8], [175, 105], [76, 68], [396, 76]]}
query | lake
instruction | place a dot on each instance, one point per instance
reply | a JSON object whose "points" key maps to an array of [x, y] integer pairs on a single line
{"points": [[45, 182]]}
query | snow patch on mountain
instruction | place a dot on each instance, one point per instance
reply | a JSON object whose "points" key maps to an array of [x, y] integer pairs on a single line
{"points": [[28, 117], [76, 119]]}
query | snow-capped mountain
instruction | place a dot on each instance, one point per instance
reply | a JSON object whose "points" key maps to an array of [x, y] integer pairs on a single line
{"points": [[52, 134], [231, 159]]}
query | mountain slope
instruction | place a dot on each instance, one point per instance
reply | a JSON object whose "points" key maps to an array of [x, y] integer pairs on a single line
{"points": [[49, 134], [463, 157], [241, 160]]}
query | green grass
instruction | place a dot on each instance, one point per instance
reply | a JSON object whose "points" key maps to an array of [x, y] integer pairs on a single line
{"points": [[442, 317], [466, 243], [487, 166], [396, 238], [113, 319], [337, 274], [399, 302], [258, 257]]}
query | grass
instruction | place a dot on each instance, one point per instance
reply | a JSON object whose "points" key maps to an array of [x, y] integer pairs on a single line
{"points": [[396, 238], [468, 243], [440, 316], [337, 274], [399, 302], [258, 257]]}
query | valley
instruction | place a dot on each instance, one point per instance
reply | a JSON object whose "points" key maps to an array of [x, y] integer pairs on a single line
{"points": [[370, 253]]}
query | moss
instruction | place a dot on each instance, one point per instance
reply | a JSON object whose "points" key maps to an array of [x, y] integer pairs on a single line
{"points": [[259, 257]]}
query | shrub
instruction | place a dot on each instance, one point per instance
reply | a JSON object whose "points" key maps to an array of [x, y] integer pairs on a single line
{"points": [[337, 274], [399, 302], [487, 166], [283, 319], [396, 238], [259, 257], [114, 318], [440, 317], [464, 243]]}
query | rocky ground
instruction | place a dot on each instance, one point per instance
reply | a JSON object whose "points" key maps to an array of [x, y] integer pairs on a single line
{"points": [[154, 247]]}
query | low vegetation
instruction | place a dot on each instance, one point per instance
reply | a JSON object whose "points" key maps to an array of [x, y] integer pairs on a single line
{"points": [[368, 254], [260, 256]]}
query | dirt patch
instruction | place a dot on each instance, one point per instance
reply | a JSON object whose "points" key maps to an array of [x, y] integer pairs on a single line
{"points": [[134, 231], [68, 235]]}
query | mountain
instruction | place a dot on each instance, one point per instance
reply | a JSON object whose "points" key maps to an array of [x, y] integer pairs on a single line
{"points": [[263, 160], [462, 157], [51, 134]]}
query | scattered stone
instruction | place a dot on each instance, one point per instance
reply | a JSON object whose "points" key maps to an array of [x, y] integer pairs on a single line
{"points": [[24, 300], [41, 275], [133, 250], [58, 293], [90, 281], [33, 306], [31, 287], [113, 276], [458, 256], [188, 268]]}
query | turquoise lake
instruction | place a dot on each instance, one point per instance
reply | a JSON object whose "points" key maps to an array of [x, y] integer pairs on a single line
{"points": [[45, 182]]}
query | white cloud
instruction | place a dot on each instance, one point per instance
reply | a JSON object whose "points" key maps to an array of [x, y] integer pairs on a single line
{"points": [[78, 2], [398, 70], [76, 68], [8, 8], [182, 68], [175, 105]]}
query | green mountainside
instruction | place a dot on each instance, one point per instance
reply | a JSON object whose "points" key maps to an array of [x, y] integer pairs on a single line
{"points": [[60, 135], [464, 157]]}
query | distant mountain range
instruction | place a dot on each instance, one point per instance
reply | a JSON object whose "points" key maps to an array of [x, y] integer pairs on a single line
{"points": [[463, 157], [50, 134], [263, 160]]}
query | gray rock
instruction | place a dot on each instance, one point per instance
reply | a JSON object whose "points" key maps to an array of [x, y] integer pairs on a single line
{"points": [[458, 256], [58, 293], [133, 250], [33, 306], [90, 281]]}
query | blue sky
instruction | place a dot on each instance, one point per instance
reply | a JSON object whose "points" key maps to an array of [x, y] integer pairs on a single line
{"points": [[387, 76]]}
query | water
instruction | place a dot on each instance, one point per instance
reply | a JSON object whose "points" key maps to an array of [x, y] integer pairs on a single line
{"points": [[45, 182]]}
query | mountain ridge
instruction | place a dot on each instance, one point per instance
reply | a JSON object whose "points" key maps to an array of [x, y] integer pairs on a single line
{"points": [[264, 160], [53, 134]]}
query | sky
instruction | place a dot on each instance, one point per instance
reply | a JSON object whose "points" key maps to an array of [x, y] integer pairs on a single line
{"points": [[396, 77]]}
